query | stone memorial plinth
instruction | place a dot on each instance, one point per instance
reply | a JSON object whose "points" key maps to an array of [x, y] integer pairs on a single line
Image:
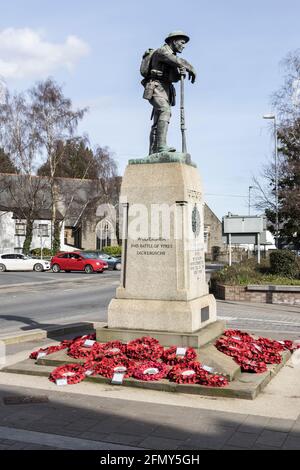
{"points": [[163, 286]]}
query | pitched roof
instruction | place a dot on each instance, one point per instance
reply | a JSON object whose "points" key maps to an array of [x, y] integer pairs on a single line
{"points": [[20, 213]]}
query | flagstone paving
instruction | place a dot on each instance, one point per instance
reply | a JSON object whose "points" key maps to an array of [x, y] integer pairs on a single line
{"points": [[78, 421]]}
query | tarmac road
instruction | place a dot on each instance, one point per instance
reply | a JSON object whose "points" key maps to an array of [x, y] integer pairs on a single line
{"points": [[80, 297], [19, 277]]}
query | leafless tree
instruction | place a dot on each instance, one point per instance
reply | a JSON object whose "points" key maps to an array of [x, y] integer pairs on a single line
{"points": [[55, 121], [286, 104], [286, 100], [18, 137]]}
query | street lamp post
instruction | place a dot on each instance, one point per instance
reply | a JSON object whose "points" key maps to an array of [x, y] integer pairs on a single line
{"points": [[273, 117], [249, 205]]}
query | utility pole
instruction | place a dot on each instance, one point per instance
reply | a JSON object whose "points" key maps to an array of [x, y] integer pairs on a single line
{"points": [[249, 204], [273, 117]]}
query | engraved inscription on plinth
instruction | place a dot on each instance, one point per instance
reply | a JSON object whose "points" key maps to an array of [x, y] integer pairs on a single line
{"points": [[163, 283]]}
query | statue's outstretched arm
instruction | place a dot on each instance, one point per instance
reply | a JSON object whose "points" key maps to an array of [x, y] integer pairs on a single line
{"points": [[191, 71], [177, 62]]}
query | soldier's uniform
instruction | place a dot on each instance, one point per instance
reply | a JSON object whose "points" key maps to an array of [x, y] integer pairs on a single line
{"points": [[159, 90]]}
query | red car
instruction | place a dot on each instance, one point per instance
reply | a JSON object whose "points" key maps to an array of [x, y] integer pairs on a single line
{"points": [[74, 262]]}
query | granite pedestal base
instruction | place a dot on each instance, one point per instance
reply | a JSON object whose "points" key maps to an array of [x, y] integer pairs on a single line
{"points": [[162, 315], [196, 339]]}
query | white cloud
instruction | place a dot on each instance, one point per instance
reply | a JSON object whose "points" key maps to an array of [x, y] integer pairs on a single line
{"points": [[25, 53]]}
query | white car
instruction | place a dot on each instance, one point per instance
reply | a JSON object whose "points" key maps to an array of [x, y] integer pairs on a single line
{"points": [[18, 262]]}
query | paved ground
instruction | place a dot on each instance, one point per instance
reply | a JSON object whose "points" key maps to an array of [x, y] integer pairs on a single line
{"points": [[98, 418], [94, 416], [105, 417]]}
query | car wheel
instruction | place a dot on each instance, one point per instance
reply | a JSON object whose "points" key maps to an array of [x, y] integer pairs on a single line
{"points": [[118, 266], [38, 267], [55, 268], [88, 269], [2, 268], [67, 271]]}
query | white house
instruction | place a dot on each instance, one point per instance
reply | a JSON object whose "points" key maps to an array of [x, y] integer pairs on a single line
{"points": [[13, 230]]}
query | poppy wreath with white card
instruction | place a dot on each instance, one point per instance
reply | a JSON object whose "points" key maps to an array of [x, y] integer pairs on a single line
{"points": [[238, 335], [72, 373], [271, 344], [150, 371], [46, 351], [79, 351], [183, 374], [110, 366], [144, 348], [82, 339], [171, 356], [244, 354], [250, 353], [248, 365], [204, 377], [233, 347], [66, 343], [113, 349], [291, 345], [90, 367]]}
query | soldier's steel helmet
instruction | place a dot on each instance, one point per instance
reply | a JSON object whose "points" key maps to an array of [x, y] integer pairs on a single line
{"points": [[176, 34]]}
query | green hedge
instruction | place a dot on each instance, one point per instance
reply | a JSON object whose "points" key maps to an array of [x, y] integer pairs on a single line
{"points": [[37, 252], [113, 250], [284, 263], [249, 272]]}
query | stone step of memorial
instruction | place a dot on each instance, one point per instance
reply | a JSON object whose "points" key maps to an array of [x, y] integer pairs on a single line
{"points": [[245, 386], [208, 356], [166, 338]]}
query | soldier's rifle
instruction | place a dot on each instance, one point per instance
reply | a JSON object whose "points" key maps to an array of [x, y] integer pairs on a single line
{"points": [[182, 115]]}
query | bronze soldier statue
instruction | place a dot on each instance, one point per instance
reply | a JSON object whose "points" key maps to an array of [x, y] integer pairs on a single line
{"points": [[161, 68]]}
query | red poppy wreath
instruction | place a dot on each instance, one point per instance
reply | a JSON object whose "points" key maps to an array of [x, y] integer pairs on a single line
{"points": [[110, 366], [73, 373], [150, 371], [183, 374], [46, 351], [113, 349], [171, 357], [193, 373], [144, 348]]}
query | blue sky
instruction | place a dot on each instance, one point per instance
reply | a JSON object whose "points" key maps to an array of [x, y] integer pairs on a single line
{"points": [[94, 48]]}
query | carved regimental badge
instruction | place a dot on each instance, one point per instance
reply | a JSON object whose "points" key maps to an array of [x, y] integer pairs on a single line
{"points": [[196, 221]]}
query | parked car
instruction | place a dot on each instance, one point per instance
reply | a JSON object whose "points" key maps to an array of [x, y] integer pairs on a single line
{"points": [[19, 262], [77, 262], [114, 262]]}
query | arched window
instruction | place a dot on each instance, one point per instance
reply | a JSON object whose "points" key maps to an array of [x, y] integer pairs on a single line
{"points": [[105, 233]]}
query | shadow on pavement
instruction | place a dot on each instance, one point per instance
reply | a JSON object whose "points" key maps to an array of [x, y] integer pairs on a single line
{"points": [[54, 331], [111, 420]]}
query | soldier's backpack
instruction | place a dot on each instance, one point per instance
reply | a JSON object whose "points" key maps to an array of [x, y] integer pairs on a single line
{"points": [[145, 67]]}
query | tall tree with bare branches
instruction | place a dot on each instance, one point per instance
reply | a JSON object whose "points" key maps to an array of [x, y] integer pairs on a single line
{"points": [[56, 120], [19, 139], [286, 102]]}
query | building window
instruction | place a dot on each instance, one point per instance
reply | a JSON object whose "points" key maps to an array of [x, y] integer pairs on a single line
{"points": [[104, 231], [43, 230], [20, 229]]}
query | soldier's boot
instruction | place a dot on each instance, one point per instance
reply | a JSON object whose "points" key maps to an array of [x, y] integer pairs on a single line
{"points": [[162, 129], [153, 146]]}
